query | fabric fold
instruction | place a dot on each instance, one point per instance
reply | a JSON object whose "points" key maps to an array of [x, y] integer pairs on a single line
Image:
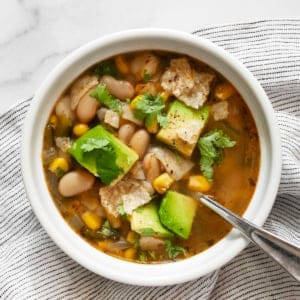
{"points": [[33, 267]]}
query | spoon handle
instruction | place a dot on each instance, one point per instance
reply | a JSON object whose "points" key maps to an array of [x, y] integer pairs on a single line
{"points": [[284, 253]]}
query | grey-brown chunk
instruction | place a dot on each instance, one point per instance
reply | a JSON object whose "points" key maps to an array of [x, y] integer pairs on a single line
{"points": [[186, 84], [151, 243], [63, 143], [220, 110], [112, 118], [129, 193], [197, 96], [175, 165], [178, 78]]}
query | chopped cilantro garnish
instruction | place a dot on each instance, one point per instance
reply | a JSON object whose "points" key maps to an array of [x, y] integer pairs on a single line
{"points": [[107, 231], [146, 76], [60, 172], [107, 169], [172, 250], [162, 120], [121, 211], [143, 257], [150, 108], [92, 144], [211, 147], [102, 94], [106, 67]]}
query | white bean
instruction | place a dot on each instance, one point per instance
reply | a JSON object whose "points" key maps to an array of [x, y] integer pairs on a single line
{"points": [[151, 243], [140, 142], [63, 107], [87, 108], [80, 87], [119, 88], [145, 62], [138, 63], [126, 132], [75, 182], [151, 65], [151, 167]]}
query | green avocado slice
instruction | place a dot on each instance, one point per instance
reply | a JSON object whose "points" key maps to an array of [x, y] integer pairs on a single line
{"points": [[184, 127], [177, 212], [103, 154], [145, 221]]}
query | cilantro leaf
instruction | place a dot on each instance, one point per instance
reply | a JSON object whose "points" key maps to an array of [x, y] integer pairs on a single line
{"points": [[146, 76], [150, 108], [162, 120], [121, 211], [106, 231], [211, 147], [102, 94], [60, 172], [106, 67], [92, 144], [142, 257], [172, 250], [107, 168]]}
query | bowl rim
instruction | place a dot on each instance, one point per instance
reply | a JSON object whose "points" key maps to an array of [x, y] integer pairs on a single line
{"points": [[114, 268]]}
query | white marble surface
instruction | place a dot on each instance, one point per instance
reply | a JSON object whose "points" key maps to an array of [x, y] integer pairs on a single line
{"points": [[36, 34]]}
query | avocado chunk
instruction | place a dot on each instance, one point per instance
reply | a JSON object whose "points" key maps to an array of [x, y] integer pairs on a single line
{"points": [[104, 155], [177, 213], [184, 127], [145, 221]]}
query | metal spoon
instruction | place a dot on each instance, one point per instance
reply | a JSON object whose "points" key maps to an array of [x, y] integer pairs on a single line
{"points": [[284, 253]]}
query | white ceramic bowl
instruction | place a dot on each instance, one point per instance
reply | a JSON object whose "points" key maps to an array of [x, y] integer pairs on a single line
{"points": [[49, 216]]}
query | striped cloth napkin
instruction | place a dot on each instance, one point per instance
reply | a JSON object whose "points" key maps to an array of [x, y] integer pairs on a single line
{"points": [[33, 267]]}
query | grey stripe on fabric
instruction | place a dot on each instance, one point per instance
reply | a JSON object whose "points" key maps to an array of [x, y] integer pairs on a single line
{"points": [[31, 265]]}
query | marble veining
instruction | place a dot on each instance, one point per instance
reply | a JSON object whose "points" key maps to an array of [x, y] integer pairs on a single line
{"points": [[35, 35]]}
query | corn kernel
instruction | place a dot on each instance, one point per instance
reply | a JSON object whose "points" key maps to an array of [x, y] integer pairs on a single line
{"points": [[224, 90], [162, 183], [134, 101], [102, 245], [114, 221], [153, 127], [53, 121], [165, 96], [80, 129], [91, 220], [199, 183], [130, 253], [121, 64], [59, 165], [131, 237]]}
